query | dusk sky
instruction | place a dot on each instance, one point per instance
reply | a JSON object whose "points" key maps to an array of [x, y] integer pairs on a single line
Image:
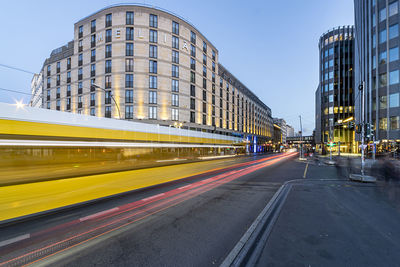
{"points": [[270, 46]]}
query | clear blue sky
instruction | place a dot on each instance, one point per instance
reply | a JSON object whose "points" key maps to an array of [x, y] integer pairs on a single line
{"points": [[270, 45]]}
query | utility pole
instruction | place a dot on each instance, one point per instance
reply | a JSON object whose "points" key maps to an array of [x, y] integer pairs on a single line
{"points": [[301, 138], [362, 89]]}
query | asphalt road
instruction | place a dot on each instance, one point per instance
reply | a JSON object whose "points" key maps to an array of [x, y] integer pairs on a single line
{"points": [[200, 230], [324, 221]]}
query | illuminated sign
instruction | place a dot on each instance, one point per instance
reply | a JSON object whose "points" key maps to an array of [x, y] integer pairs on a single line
{"points": [[118, 33]]}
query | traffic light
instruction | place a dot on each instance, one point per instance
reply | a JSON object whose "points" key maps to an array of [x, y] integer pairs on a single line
{"points": [[351, 125], [358, 128], [331, 144]]}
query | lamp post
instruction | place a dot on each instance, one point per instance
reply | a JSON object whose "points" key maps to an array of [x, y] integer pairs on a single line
{"points": [[112, 97]]}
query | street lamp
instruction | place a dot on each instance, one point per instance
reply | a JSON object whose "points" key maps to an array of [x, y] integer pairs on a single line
{"points": [[112, 97]]}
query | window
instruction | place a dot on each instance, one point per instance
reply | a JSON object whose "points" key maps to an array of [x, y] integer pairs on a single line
{"points": [[58, 67], [48, 105], [382, 57], [213, 55], [92, 112], [129, 112], [213, 67], [80, 31], [92, 70], [192, 103], [80, 59], [107, 97], [93, 26], [107, 112], [68, 90], [394, 77], [192, 90], [373, 20], [393, 8], [382, 14], [393, 31], [331, 75], [108, 66], [394, 123], [80, 87], [153, 82], [129, 80], [129, 64], [128, 96], [383, 102], [192, 77], [175, 85], [175, 57], [68, 63], [80, 74], [373, 62], [108, 51], [374, 40], [93, 55], [108, 20], [204, 71], [175, 28], [175, 71], [204, 95], [129, 18], [394, 54], [330, 98], [383, 124], [58, 92], [174, 114], [192, 64], [192, 117], [394, 100], [129, 49], [108, 35], [153, 113], [193, 37], [153, 21], [80, 46], [58, 105], [192, 50], [153, 51], [204, 59], [153, 36], [152, 66], [175, 100], [107, 83], [58, 80], [68, 102], [382, 36], [92, 99], [331, 63], [204, 47], [175, 42], [331, 51], [152, 97], [93, 40], [129, 33]]}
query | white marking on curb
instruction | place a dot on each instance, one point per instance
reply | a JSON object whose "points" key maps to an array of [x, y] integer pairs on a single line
{"points": [[13, 240], [305, 171], [98, 214], [155, 196]]}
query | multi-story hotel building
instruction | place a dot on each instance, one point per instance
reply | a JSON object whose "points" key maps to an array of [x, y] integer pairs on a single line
{"points": [[135, 62], [377, 68], [335, 93]]}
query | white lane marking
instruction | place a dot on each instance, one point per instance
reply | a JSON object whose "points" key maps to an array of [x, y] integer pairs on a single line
{"points": [[98, 214], [305, 171], [13, 240], [183, 187], [169, 160], [155, 196]]}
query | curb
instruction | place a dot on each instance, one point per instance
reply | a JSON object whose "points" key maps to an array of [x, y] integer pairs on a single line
{"points": [[362, 178], [249, 248]]}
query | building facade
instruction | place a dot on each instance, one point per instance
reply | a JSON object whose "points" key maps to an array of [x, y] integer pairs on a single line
{"points": [[37, 91], [335, 93], [142, 63], [289, 131], [282, 125], [377, 68]]}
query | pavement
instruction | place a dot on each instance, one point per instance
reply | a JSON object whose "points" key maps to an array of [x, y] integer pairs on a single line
{"points": [[323, 220]]}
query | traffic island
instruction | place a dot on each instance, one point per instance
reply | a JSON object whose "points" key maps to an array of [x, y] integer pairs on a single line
{"points": [[362, 178]]}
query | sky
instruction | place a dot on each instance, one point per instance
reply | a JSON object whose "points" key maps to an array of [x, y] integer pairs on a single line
{"points": [[270, 46]]}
